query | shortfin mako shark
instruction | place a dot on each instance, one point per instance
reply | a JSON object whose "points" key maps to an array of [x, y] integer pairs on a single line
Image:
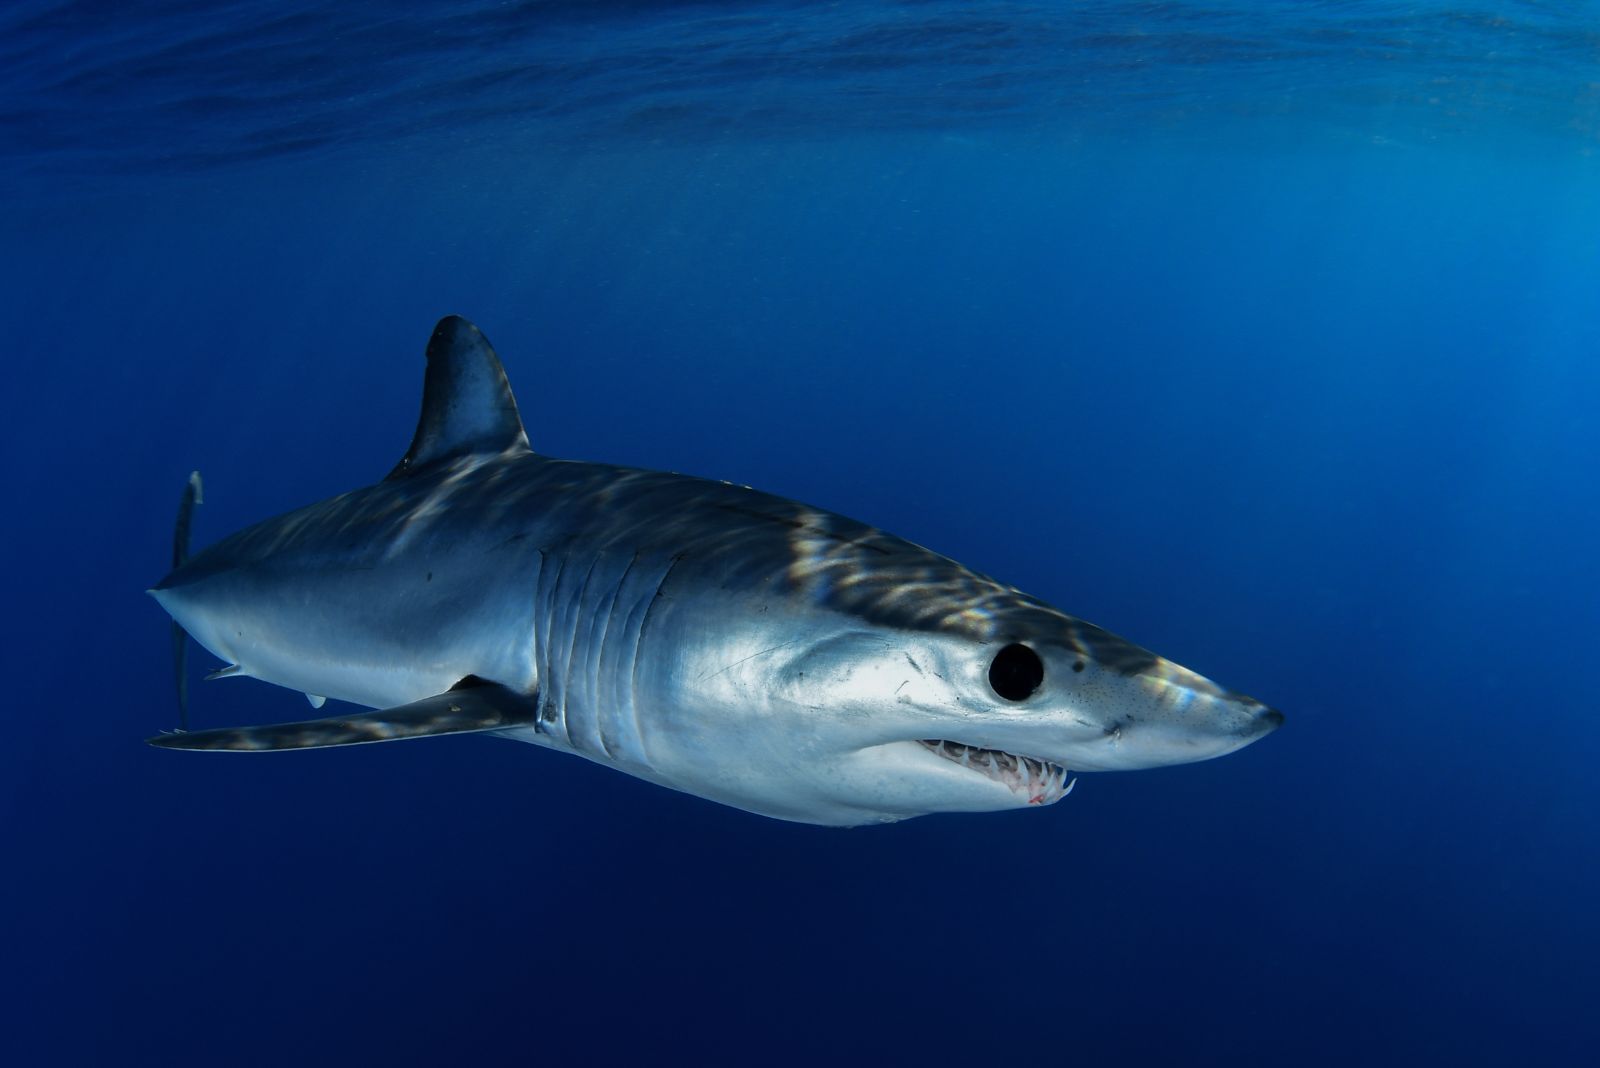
{"points": [[696, 634]]}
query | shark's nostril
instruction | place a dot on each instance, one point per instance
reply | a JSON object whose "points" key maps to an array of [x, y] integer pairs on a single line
{"points": [[1269, 720]]}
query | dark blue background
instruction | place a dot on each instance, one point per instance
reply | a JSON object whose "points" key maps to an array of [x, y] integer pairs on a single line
{"points": [[1304, 405]]}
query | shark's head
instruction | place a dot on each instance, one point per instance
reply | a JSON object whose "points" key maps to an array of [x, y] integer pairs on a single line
{"points": [[910, 685], [938, 721]]}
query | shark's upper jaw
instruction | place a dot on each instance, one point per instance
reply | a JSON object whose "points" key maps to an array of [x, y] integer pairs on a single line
{"points": [[1040, 782]]}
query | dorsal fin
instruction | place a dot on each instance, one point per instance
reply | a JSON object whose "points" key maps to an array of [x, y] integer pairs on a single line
{"points": [[467, 406]]}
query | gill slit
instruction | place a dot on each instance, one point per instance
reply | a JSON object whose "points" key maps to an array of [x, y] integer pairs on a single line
{"points": [[553, 714], [573, 625], [602, 717], [638, 646]]}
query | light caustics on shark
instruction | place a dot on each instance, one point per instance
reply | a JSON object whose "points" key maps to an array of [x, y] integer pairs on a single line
{"points": [[700, 635]]}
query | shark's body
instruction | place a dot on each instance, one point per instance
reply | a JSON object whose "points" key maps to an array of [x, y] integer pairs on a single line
{"points": [[696, 634]]}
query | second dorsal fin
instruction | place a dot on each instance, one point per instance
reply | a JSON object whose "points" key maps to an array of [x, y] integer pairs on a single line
{"points": [[467, 406]]}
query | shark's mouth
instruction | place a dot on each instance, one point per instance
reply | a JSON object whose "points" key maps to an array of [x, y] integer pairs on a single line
{"points": [[1042, 782]]}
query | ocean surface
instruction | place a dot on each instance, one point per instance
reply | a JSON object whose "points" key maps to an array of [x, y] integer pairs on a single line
{"points": [[1262, 335]]}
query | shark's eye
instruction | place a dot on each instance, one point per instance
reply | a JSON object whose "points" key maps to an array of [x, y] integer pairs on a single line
{"points": [[1016, 672]]}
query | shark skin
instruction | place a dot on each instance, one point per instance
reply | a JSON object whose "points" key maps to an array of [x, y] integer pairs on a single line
{"points": [[700, 635]]}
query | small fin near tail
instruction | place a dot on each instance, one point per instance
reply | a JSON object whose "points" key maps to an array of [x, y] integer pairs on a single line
{"points": [[470, 706], [192, 495]]}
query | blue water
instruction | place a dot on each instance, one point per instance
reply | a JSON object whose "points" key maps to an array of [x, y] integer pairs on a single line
{"points": [[1264, 335]]}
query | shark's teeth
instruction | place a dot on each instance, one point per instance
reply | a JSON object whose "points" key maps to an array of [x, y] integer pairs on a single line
{"points": [[1040, 781]]}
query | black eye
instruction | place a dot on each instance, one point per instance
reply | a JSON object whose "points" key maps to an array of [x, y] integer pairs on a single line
{"points": [[1016, 672]]}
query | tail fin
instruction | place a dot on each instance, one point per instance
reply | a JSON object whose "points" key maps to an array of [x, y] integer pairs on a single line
{"points": [[192, 496]]}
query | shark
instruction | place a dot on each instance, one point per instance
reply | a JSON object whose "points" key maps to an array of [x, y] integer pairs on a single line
{"points": [[696, 634]]}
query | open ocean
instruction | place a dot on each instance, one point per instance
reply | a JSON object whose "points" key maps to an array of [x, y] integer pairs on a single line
{"points": [[1264, 335]]}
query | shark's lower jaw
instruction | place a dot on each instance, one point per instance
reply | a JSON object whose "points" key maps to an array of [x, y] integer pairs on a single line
{"points": [[1040, 781]]}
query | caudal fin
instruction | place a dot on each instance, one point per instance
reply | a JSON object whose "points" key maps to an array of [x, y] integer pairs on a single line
{"points": [[192, 496]]}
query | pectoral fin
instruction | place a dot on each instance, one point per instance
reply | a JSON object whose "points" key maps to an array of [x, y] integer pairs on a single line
{"points": [[471, 705]]}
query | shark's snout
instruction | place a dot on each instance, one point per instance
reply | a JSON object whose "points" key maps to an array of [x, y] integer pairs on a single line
{"points": [[1266, 721], [1166, 714]]}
